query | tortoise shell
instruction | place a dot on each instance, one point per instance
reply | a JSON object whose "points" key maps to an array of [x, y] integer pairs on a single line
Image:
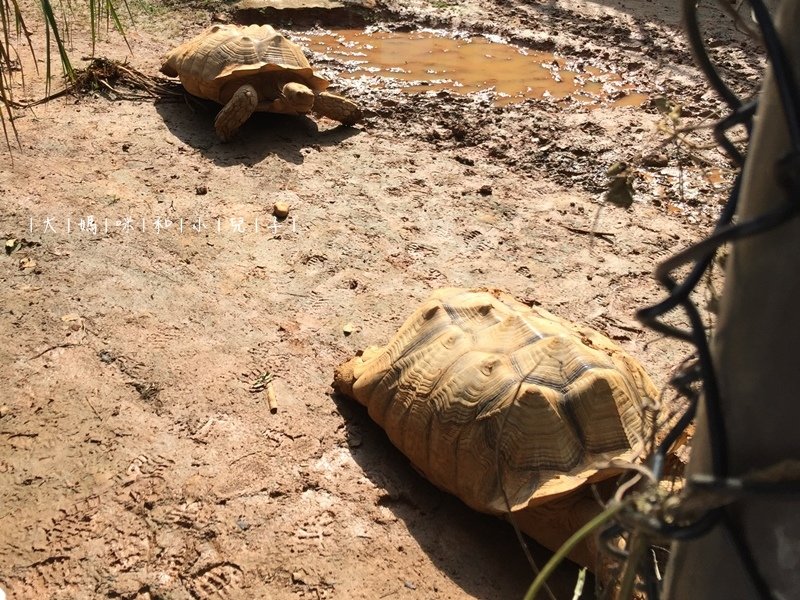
{"points": [[213, 64], [481, 391]]}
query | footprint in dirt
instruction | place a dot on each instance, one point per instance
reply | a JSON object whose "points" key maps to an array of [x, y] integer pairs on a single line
{"points": [[145, 467], [219, 580]]}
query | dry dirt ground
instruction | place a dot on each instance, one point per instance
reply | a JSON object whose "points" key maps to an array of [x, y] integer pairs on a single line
{"points": [[136, 463]]}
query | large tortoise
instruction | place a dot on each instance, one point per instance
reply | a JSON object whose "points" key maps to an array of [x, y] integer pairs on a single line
{"points": [[253, 68], [481, 391]]}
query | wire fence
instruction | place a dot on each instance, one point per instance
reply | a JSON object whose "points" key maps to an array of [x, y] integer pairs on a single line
{"points": [[648, 526]]}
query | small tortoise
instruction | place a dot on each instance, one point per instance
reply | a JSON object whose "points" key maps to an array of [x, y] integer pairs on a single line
{"points": [[253, 68], [477, 388]]}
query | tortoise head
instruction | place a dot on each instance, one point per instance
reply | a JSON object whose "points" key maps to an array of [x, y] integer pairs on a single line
{"points": [[298, 97]]}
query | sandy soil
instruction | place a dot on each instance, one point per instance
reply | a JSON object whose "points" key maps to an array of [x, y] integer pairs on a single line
{"points": [[135, 461]]}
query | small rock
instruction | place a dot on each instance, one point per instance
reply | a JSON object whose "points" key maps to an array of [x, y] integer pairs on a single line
{"points": [[126, 146], [486, 190], [201, 190], [242, 524], [3, 411], [347, 329], [465, 160], [280, 210], [440, 133], [299, 577], [410, 585]]}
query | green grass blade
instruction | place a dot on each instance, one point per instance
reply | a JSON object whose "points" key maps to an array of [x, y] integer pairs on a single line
{"points": [[93, 23], [56, 30], [112, 11], [22, 29], [52, 27], [5, 93], [5, 9], [47, 61], [128, 9], [10, 119], [568, 546]]}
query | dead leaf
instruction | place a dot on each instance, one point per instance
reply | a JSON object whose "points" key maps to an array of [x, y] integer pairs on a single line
{"points": [[27, 263]]}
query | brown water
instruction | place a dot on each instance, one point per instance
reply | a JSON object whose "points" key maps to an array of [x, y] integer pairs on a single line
{"points": [[427, 61]]}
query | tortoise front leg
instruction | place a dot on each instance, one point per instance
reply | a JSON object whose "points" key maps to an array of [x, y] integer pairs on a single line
{"points": [[294, 99], [236, 112], [337, 108]]}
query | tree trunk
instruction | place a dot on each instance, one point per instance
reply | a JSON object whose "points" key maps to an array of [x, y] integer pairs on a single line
{"points": [[758, 368]]}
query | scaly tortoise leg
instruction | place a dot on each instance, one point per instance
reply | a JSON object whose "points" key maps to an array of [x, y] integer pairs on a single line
{"points": [[552, 523], [238, 109], [295, 99], [337, 108]]}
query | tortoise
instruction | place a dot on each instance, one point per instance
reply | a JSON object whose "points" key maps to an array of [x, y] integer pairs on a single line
{"points": [[509, 407], [253, 68]]}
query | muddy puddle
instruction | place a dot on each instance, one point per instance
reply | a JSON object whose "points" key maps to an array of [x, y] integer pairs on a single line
{"points": [[428, 60]]}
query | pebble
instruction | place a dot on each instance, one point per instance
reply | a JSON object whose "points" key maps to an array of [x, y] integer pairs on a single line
{"points": [[299, 577], [280, 210]]}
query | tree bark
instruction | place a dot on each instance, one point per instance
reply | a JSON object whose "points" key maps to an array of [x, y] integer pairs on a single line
{"points": [[758, 368]]}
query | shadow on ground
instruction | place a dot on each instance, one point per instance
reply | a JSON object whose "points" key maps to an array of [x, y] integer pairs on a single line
{"points": [[481, 554], [263, 135]]}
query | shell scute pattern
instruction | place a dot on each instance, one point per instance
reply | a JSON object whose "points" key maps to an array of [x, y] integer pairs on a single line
{"points": [[250, 69], [224, 52], [475, 382]]}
